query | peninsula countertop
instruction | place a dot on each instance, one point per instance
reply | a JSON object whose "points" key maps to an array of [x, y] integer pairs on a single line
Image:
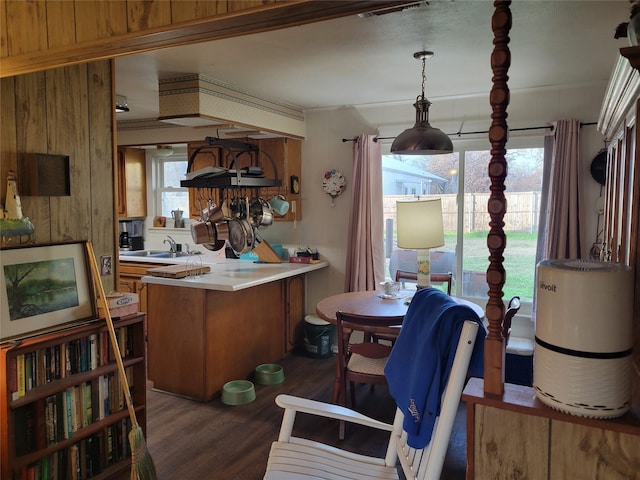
{"points": [[226, 274]]}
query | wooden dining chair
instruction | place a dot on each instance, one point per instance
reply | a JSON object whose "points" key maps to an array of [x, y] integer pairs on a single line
{"points": [[295, 457], [440, 278], [401, 275], [360, 359]]}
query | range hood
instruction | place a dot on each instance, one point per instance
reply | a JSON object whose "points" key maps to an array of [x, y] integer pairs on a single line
{"points": [[197, 100]]}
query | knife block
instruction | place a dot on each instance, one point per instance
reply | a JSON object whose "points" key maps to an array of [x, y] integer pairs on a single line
{"points": [[265, 253]]}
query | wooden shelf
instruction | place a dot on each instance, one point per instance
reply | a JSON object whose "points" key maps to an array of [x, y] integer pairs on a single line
{"points": [[521, 399], [514, 435], [32, 438]]}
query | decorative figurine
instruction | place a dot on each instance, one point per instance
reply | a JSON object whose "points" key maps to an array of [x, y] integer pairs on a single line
{"points": [[14, 226]]}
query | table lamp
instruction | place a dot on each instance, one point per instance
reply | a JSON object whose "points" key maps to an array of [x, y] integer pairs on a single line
{"points": [[420, 228]]}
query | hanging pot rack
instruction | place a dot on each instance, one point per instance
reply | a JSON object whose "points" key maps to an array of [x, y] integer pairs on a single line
{"points": [[234, 178]]}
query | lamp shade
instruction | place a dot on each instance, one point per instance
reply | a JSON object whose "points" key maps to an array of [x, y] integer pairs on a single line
{"points": [[420, 224], [422, 138]]}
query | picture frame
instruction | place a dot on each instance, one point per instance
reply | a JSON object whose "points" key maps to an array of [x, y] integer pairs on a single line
{"points": [[44, 288]]}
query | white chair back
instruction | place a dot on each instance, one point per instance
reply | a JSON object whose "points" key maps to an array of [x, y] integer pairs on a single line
{"points": [[298, 458], [426, 464]]}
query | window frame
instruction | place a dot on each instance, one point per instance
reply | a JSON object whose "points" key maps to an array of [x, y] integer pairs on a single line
{"points": [[158, 163], [533, 139]]}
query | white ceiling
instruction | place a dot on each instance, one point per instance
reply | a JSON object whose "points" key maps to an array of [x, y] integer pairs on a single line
{"points": [[359, 61]]}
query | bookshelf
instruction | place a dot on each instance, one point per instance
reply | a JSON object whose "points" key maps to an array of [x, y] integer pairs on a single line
{"points": [[62, 410]]}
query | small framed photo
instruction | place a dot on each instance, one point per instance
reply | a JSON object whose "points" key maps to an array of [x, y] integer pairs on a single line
{"points": [[43, 288]]}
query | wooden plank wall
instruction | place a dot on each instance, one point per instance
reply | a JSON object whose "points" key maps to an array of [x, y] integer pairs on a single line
{"points": [[49, 20], [511, 445], [65, 111], [515, 445], [40, 34], [100, 19]]}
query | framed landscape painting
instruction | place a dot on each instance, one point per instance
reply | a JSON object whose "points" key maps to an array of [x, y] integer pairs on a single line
{"points": [[43, 288]]}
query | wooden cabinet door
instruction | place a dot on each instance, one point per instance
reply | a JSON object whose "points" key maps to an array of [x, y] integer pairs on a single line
{"points": [[122, 186], [136, 180], [177, 345], [132, 182], [141, 290], [294, 311], [286, 154], [127, 284]]}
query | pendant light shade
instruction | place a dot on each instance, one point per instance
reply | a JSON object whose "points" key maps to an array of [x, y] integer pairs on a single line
{"points": [[422, 138]]}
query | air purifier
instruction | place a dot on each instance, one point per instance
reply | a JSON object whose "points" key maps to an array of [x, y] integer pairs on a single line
{"points": [[582, 353]]}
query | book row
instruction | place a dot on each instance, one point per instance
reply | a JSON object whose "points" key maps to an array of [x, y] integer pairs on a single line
{"points": [[86, 458], [47, 421], [33, 369]]}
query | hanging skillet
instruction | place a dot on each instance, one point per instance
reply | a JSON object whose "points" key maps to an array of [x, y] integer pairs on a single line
{"points": [[599, 167], [241, 236]]}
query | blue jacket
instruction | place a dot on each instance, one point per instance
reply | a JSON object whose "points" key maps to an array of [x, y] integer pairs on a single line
{"points": [[420, 362]]}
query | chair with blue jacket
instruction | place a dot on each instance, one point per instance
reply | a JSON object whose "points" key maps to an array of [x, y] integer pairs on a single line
{"points": [[439, 343]]}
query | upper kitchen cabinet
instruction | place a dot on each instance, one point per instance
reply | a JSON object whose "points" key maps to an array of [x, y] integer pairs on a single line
{"points": [[132, 186], [286, 154]]}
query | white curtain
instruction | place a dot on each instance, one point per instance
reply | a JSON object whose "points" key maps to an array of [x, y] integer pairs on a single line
{"points": [[559, 229], [365, 248], [544, 198], [562, 233]]}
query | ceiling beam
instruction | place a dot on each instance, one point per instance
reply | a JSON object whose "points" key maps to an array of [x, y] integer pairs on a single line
{"points": [[267, 17]]}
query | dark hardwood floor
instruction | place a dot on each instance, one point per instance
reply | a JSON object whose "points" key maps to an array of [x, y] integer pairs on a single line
{"points": [[194, 440]]}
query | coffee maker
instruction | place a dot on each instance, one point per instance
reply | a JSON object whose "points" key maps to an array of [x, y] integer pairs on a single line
{"points": [[131, 235]]}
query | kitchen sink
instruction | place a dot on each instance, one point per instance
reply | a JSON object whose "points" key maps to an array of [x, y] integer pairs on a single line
{"points": [[152, 253]]}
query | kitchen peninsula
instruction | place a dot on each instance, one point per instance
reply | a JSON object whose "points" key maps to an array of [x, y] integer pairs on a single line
{"points": [[209, 329]]}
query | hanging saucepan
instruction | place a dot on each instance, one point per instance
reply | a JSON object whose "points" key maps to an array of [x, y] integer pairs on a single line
{"points": [[212, 213], [241, 235], [221, 235], [203, 232], [261, 214], [222, 230]]}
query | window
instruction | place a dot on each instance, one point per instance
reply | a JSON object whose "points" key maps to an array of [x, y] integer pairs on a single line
{"points": [[169, 194], [461, 180]]}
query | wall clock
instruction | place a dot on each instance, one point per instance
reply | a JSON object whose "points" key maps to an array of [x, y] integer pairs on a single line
{"points": [[333, 183]]}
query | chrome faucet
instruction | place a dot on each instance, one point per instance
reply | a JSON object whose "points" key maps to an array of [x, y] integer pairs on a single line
{"points": [[172, 244]]}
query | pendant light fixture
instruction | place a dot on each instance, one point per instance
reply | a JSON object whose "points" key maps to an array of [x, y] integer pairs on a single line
{"points": [[422, 138]]}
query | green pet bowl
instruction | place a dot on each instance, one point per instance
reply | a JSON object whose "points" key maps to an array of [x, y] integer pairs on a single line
{"points": [[269, 374], [238, 392]]}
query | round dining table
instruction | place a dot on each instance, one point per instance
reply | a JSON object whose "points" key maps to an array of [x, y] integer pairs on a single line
{"points": [[373, 304], [363, 303]]}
